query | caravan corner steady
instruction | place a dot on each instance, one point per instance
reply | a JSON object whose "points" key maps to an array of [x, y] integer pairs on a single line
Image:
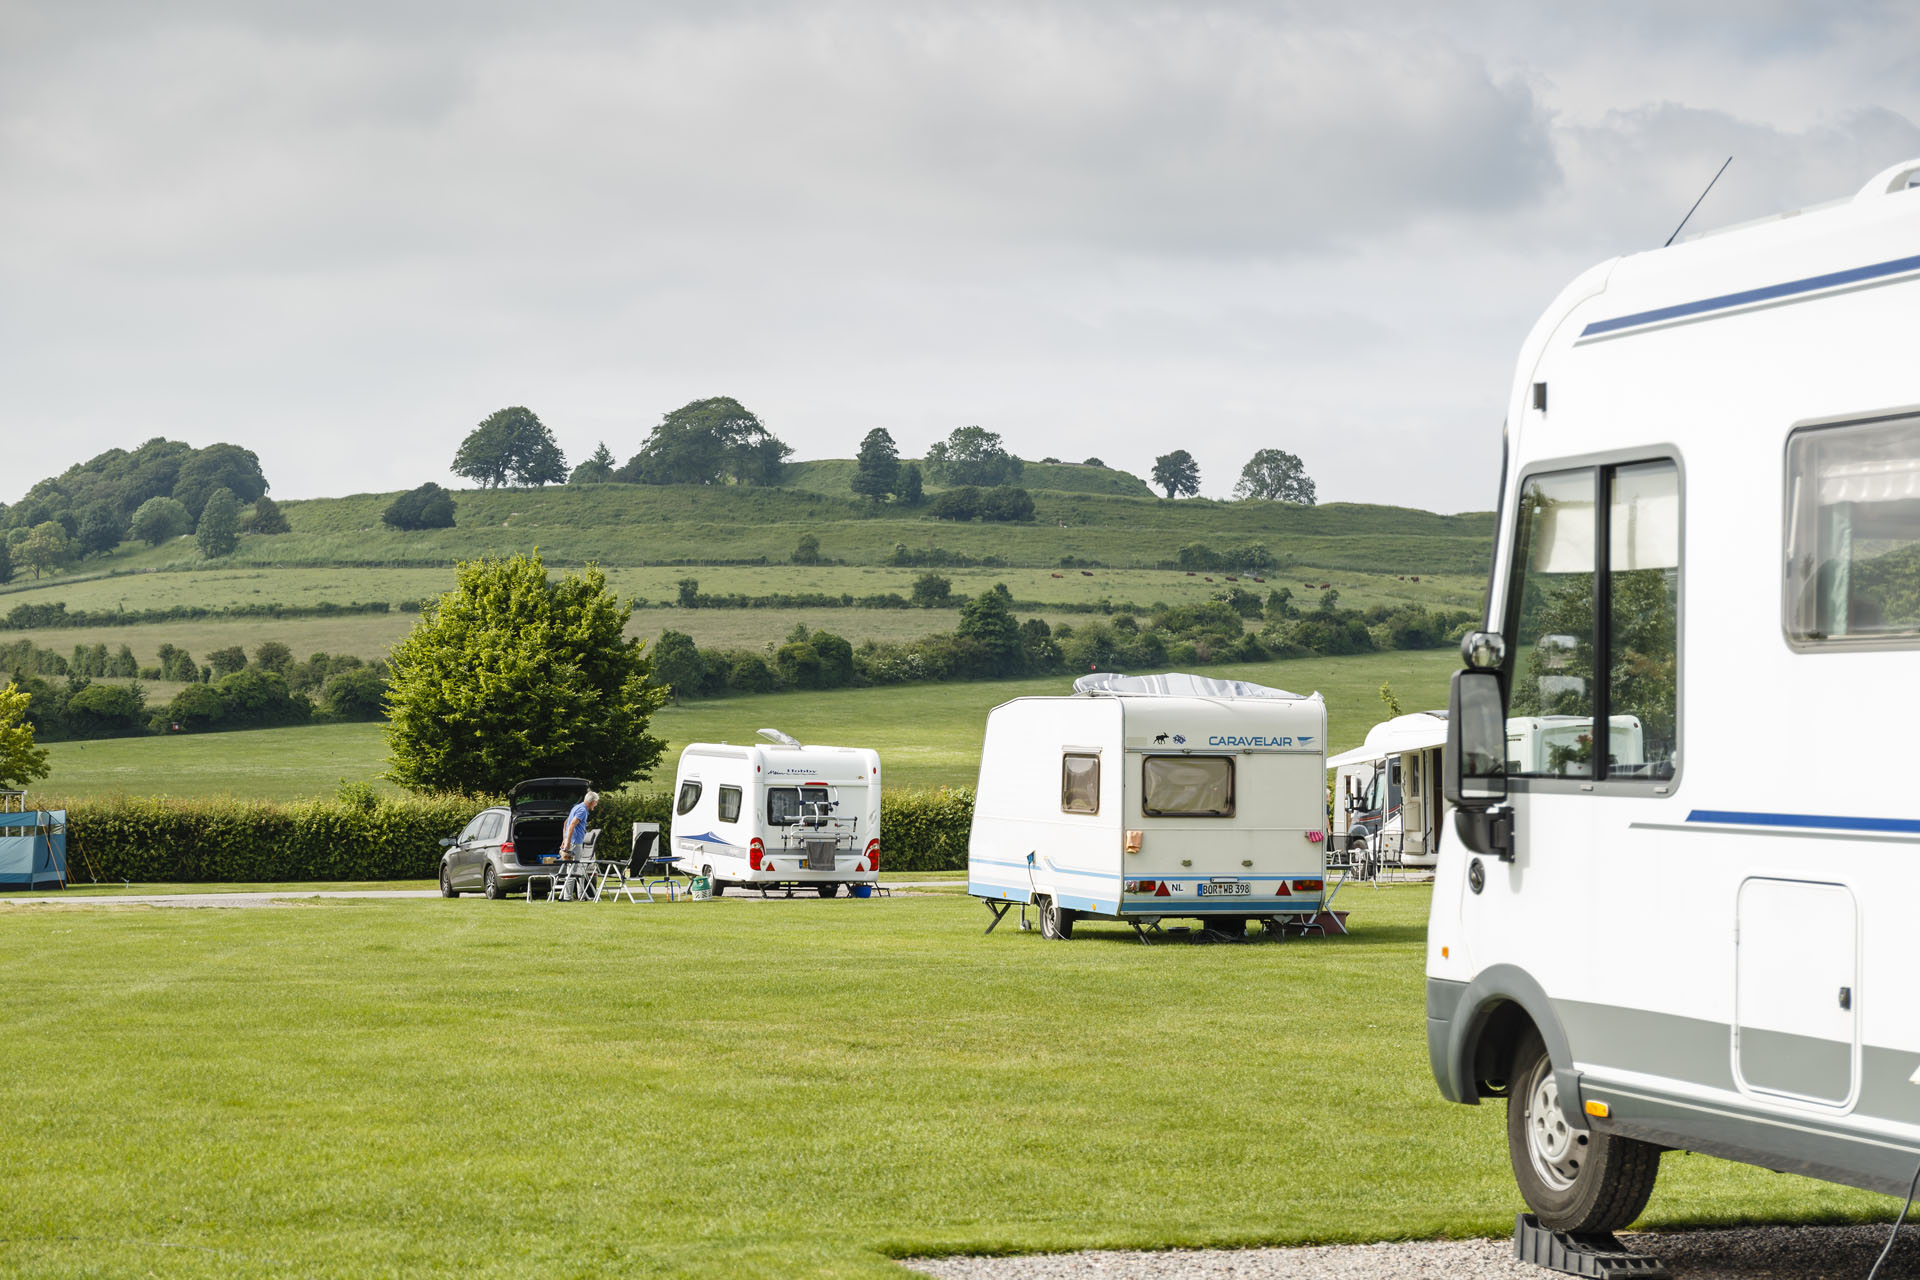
{"points": [[1691, 929]]}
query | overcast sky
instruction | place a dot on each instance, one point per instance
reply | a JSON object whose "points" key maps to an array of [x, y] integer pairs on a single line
{"points": [[341, 234]]}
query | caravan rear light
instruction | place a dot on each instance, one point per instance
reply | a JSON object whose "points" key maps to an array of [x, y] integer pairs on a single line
{"points": [[756, 853], [873, 855], [1308, 886]]}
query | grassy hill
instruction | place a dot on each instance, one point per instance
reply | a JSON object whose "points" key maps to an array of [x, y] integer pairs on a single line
{"points": [[833, 478]]}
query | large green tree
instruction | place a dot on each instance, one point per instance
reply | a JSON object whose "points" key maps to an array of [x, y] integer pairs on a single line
{"points": [[972, 456], [219, 466], [708, 442], [877, 473], [1177, 473], [511, 446], [428, 507], [267, 517], [20, 761], [160, 519], [1277, 476], [218, 532], [511, 676], [46, 548]]}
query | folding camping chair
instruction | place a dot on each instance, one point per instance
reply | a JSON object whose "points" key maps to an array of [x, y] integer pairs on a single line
{"points": [[576, 879], [647, 867]]}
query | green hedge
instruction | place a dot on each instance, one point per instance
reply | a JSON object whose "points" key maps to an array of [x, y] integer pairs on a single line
{"points": [[152, 839]]}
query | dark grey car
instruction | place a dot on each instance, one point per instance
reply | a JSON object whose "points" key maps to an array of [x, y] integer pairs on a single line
{"points": [[505, 845]]}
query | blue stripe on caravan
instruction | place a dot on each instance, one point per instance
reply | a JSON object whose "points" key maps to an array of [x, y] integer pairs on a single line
{"points": [[1746, 297], [1830, 822]]}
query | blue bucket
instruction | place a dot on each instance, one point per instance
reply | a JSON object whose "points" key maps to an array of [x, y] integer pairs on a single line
{"points": [[862, 891]]}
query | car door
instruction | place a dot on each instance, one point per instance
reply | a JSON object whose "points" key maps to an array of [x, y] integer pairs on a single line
{"points": [[458, 859], [486, 842]]}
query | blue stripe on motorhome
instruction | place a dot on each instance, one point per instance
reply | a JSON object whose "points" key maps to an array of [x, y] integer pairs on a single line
{"points": [[1881, 271], [1830, 822]]}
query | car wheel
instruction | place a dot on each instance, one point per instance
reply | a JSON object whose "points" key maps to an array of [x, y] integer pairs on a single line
{"points": [[446, 884], [491, 884], [1574, 1178], [828, 890], [1056, 921]]}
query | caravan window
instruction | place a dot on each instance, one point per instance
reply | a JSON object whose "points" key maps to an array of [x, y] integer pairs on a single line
{"points": [[1079, 783], [1853, 536], [1597, 543], [1187, 786], [689, 797], [783, 806], [729, 804]]}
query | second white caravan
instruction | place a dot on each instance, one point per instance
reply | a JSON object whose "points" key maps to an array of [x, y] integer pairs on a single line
{"points": [[778, 815]]}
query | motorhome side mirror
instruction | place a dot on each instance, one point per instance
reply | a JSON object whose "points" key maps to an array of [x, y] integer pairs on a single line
{"points": [[1474, 767], [1483, 650]]}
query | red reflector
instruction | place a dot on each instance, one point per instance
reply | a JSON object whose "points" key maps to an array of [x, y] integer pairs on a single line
{"points": [[1283, 891], [1160, 890]]}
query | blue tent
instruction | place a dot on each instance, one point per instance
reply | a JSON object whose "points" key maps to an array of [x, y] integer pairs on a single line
{"points": [[33, 849]]}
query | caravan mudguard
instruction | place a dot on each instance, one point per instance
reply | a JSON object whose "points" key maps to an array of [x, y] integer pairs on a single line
{"points": [[1463, 1016]]}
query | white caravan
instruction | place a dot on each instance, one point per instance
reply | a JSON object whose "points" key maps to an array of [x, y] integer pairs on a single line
{"points": [[779, 815], [1699, 936], [1386, 793], [1144, 797]]}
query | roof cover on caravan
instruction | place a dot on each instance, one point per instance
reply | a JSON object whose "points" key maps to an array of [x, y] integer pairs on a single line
{"points": [[1178, 684]]}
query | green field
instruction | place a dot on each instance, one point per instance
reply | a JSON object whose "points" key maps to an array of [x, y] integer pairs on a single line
{"points": [[927, 735], [727, 1089]]}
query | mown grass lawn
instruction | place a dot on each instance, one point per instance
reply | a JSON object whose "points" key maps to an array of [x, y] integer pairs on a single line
{"points": [[928, 735], [735, 1088]]}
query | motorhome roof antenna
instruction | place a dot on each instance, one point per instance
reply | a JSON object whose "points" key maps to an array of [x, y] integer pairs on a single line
{"points": [[1703, 196]]}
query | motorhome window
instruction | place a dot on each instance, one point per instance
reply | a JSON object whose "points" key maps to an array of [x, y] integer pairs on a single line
{"points": [[689, 797], [1079, 784], [1605, 539], [1853, 535], [1186, 786], [729, 804], [1554, 636], [1643, 620]]}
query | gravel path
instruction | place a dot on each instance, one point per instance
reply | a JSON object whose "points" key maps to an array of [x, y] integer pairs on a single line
{"points": [[1754, 1253]]}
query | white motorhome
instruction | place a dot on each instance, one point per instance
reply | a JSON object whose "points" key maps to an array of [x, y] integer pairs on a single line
{"points": [[1386, 793], [1144, 797], [1700, 935], [778, 815]]}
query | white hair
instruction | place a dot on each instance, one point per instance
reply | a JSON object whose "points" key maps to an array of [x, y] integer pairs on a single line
{"points": [[592, 797]]}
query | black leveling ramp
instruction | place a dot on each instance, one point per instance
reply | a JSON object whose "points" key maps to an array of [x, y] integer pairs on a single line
{"points": [[1585, 1254]]}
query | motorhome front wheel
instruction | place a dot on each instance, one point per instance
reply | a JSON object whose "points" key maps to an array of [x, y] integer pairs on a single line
{"points": [[1573, 1177]]}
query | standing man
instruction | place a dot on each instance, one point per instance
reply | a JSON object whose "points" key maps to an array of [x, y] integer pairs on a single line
{"points": [[572, 836]]}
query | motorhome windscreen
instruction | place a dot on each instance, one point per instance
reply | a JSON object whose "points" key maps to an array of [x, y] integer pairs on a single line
{"points": [[1079, 783], [1186, 786], [1853, 535]]}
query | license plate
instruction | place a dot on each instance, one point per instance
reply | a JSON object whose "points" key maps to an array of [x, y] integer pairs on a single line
{"points": [[1225, 889]]}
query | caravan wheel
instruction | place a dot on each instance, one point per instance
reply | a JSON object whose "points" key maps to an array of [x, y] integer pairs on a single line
{"points": [[1575, 1178], [1055, 920]]}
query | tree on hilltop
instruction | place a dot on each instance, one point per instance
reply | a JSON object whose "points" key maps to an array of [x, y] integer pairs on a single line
{"points": [[972, 456], [160, 520], [267, 517], [708, 442], [878, 472], [1276, 476], [597, 469], [428, 507], [218, 532], [512, 444], [1177, 473]]}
